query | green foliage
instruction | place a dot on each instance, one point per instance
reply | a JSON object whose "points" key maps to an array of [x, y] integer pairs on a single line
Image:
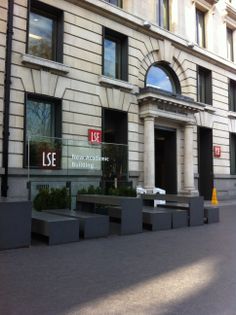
{"points": [[54, 198], [91, 190], [121, 191]]}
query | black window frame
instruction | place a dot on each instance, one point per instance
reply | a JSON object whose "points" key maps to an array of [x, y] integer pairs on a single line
{"points": [[57, 103], [57, 16], [117, 121], [160, 13], [119, 3], [232, 146], [232, 95], [122, 41], [200, 14], [204, 85]]}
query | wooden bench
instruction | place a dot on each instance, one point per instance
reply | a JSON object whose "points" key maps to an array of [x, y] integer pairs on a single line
{"points": [[91, 225], [194, 205], [58, 229], [128, 209]]}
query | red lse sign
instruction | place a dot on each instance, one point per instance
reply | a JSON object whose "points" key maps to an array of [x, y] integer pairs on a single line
{"points": [[217, 151], [94, 136]]}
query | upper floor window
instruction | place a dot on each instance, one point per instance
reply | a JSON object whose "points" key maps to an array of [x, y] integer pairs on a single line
{"points": [[232, 95], [45, 31], [162, 77], [200, 28], [163, 13], [118, 3], [204, 86], [230, 47], [115, 55]]}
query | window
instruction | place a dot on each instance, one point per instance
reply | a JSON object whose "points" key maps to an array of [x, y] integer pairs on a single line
{"points": [[232, 95], [42, 124], [162, 77], [115, 126], [204, 86], [200, 28], [230, 49], [115, 137], [163, 13], [115, 55], [45, 31], [118, 3], [232, 140]]}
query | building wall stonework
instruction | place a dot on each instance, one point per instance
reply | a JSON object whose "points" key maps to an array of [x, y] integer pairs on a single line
{"points": [[84, 91]]}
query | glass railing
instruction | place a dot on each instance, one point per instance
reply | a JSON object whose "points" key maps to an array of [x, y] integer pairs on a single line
{"points": [[56, 162]]}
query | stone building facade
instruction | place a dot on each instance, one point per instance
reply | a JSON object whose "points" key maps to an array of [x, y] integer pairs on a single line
{"points": [[160, 75]]}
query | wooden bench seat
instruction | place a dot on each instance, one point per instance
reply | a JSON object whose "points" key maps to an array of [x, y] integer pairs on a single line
{"points": [[58, 229], [91, 225]]}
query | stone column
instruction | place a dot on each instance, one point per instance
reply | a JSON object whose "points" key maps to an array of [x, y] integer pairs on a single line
{"points": [[149, 153], [188, 160]]}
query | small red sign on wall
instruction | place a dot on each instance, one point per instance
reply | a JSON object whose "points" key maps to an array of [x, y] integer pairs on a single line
{"points": [[217, 151], [94, 136]]}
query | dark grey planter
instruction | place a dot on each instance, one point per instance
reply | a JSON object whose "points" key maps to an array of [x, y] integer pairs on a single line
{"points": [[15, 224]]}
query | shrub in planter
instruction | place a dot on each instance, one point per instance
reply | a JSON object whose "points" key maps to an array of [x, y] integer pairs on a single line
{"points": [[55, 198], [91, 190], [121, 191]]}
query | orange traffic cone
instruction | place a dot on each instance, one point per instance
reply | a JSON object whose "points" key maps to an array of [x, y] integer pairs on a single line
{"points": [[214, 200]]}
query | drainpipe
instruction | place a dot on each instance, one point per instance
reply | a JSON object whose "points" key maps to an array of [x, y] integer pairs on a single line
{"points": [[7, 90]]}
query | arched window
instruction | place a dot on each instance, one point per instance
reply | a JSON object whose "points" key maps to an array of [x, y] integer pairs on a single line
{"points": [[162, 77]]}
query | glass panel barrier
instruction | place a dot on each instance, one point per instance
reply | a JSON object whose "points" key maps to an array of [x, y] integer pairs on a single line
{"points": [[57, 163]]}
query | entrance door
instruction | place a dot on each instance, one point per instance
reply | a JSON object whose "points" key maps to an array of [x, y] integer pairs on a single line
{"points": [[205, 167], [165, 160]]}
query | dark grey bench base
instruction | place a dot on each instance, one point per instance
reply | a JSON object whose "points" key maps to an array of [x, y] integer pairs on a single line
{"points": [[193, 204], [162, 218], [15, 224], [157, 219], [212, 214], [57, 229], [179, 218], [130, 220], [92, 225], [129, 213]]}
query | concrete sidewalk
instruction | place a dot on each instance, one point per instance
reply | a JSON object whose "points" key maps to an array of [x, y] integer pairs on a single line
{"points": [[188, 271]]}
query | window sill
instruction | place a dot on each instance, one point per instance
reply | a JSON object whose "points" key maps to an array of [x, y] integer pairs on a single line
{"points": [[204, 4], [106, 81], [41, 63], [210, 109], [232, 115], [207, 108]]}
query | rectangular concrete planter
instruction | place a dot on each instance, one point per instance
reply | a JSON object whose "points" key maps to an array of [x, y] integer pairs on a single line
{"points": [[15, 224]]}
